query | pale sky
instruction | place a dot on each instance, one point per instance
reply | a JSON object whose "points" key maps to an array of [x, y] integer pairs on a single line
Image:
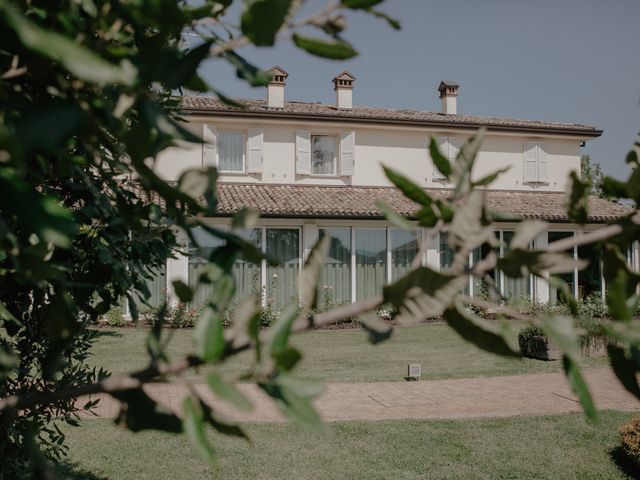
{"points": [[554, 60]]}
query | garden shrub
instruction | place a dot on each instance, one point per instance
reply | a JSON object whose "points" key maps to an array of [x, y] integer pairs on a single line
{"points": [[113, 318], [630, 439], [526, 335]]}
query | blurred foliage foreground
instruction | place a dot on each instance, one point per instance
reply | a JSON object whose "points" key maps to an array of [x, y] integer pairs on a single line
{"points": [[88, 93]]}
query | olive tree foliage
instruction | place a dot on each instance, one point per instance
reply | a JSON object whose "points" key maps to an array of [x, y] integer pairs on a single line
{"points": [[86, 89]]}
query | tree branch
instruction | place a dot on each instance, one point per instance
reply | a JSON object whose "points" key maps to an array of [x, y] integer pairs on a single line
{"points": [[154, 371]]}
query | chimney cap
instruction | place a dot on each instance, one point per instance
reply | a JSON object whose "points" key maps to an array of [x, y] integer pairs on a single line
{"points": [[344, 80], [278, 75], [448, 88]]}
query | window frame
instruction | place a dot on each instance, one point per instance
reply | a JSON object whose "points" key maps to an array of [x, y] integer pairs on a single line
{"points": [[336, 155], [244, 151]]}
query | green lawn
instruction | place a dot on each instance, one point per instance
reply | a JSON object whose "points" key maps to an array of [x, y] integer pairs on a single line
{"points": [[345, 355], [553, 447]]}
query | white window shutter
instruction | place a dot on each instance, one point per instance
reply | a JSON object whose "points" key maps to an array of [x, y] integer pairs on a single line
{"points": [[543, 156], [209, 146], [454, 148], [254, 151], [530, 157], [347, 147], [303, 152], [443, 146]]}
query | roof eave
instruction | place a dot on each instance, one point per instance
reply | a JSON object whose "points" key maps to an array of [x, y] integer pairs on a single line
{"points": [[574, 132]]}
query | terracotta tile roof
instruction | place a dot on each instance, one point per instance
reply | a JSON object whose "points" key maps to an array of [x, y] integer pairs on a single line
{"points": [[359, 202], [320, 111]]}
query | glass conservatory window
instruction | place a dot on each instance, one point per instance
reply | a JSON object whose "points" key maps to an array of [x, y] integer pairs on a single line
{"points": [[283, 245], [335, 275], [371, 253], [404, 248]]}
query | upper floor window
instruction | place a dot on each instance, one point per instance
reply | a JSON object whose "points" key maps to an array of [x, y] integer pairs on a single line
{"points": [[236, 151], [323, 154], [318, 154], [535, 158], [231, 151]]}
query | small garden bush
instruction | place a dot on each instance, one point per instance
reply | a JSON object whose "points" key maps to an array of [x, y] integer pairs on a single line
{"points": [[526, 335], [113, 318], [630, 439], [173, 316]]}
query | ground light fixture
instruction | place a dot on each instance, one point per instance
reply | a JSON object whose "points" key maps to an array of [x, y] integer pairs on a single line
{"points": [[414, 370]]}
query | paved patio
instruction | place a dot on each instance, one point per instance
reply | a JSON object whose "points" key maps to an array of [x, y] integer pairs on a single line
{"points": [[533, 394]]}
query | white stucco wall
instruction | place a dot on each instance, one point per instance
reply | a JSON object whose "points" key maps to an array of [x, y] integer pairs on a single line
{"points": [[403, 148]]}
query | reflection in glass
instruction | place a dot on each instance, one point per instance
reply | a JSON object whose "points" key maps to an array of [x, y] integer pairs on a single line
{"points": [[335, 276], [283, 245], [371, 252], [404, 248]]}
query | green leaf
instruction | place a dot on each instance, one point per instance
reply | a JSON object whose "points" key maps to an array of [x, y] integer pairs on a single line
{"points": [[376, 329], [561, 332], [517, 263], [9, 321], [278, 336], [181, 71], [332, 49], [526, 232], [183, 291], [44, 215], [228, 392], [200, 183], [308, 280], [287, 358], [463, 166], [139, 412], [566, 292], [360, 4], [393, 22], [242, 316], [263, 19], [166, 124], [410, 189], [469, 228], [579, 386], [628, 332], [80, 61], [193, 425], [423, 293], [396, 219], [489, 336], [245, 218], [578, 200], [209, 336], [439, 160], [49, 125], [489, 178], [247, 71], [625, 369], [293, 396]]}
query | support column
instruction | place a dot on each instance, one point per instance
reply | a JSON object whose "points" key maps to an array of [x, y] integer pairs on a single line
{"points": [[177, 269], [432, 257], [310, 235], [541, 286]]}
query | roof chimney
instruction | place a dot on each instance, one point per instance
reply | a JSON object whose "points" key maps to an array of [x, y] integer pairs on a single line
{"points": [[343, 86], [275, 88], [448, 97]]}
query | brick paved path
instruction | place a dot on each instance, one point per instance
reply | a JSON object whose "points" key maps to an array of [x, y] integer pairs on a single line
{"points": [[534, 394]]}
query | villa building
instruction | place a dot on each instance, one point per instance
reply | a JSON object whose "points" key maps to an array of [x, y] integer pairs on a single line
{"points": [[315, 169]]}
